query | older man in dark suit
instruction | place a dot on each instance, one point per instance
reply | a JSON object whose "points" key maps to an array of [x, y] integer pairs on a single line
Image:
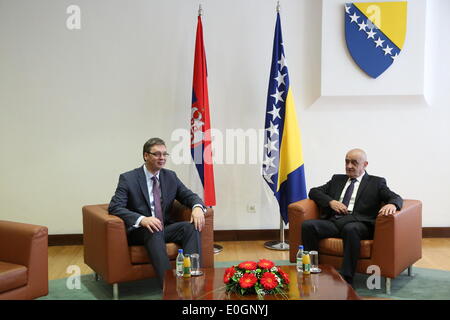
{"points": [[143, 200], [349, 206]]}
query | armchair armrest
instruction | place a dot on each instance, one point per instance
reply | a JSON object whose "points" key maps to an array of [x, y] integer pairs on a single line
{"points": [[182, 213], [27, 245], [17, 240], [306, 209], [298, 212], [207, 239], [105, 243], [398, 239]]}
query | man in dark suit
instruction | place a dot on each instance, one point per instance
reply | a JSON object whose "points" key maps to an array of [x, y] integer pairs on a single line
{"points": [[349, 206], [143, 200]]}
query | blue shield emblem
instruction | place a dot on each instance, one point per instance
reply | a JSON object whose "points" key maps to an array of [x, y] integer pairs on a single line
{"points": [[375, 33]]}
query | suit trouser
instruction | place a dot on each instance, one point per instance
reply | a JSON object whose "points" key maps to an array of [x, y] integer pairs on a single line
{"points": [[351, 233], [182, 233]]}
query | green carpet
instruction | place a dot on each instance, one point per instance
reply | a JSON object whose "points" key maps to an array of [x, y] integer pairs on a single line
{"points": [[426, 284], [90, 289]]}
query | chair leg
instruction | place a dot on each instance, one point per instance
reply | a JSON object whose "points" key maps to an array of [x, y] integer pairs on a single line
{"points": [[96, 276], [115, 291], [410, 274], [388, 286]]}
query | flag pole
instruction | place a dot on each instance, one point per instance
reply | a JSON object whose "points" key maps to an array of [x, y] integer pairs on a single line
{"points": [[281, 245]]}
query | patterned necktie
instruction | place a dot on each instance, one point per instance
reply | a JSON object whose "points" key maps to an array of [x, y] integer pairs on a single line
{"points": [[157, 199], [349, 192]]}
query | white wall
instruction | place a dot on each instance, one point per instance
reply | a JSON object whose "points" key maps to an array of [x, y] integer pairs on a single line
{"points": [[77, 106]]}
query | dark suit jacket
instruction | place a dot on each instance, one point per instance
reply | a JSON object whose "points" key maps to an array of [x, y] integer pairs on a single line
{"points": [[372, 193], [131, 199]]}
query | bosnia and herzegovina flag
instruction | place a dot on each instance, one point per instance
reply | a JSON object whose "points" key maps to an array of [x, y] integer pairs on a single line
{"points": [[200, 122], [283, 167]]}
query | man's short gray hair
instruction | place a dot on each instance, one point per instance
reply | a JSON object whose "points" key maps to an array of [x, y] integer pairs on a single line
{"points": [[152, 142]]}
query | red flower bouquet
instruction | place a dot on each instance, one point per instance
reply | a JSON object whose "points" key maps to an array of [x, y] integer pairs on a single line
{"points": [[261, 277]]}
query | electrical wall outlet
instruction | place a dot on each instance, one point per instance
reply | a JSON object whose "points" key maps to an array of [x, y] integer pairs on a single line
{"points": [[251, 208]]}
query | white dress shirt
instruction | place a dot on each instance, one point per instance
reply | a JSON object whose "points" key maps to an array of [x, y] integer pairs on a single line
{"points": [[148, 178], [355, 191]]}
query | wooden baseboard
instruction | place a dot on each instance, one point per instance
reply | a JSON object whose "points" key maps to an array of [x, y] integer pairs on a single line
{"points": [[248, 235], [65, 240], [237, 235], [436, 232]]}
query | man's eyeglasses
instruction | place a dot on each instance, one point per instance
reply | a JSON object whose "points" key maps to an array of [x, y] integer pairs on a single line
{"points": [[159, 154]]}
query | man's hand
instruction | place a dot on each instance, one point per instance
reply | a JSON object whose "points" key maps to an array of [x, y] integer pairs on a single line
{"points": [[152, 224], [198, 217], [387, 210], [338, 207]]}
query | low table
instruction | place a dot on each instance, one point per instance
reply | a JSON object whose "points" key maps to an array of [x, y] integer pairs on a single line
{"points": [[327, 285]]}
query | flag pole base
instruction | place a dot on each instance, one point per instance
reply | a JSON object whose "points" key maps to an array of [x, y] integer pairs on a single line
{"points": [[217, 248], [277, 245], [280, 245]]}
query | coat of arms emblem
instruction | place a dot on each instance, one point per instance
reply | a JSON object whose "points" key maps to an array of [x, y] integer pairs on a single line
{"points": [[375, 33]]}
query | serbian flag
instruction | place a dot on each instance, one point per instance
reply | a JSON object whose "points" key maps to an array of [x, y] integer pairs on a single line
{"points": [[200, 122], [283, 167]]}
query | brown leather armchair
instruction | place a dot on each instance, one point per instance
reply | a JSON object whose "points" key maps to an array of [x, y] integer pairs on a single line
{"points": [[107, 252], [23, 261], [397, 242]]}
